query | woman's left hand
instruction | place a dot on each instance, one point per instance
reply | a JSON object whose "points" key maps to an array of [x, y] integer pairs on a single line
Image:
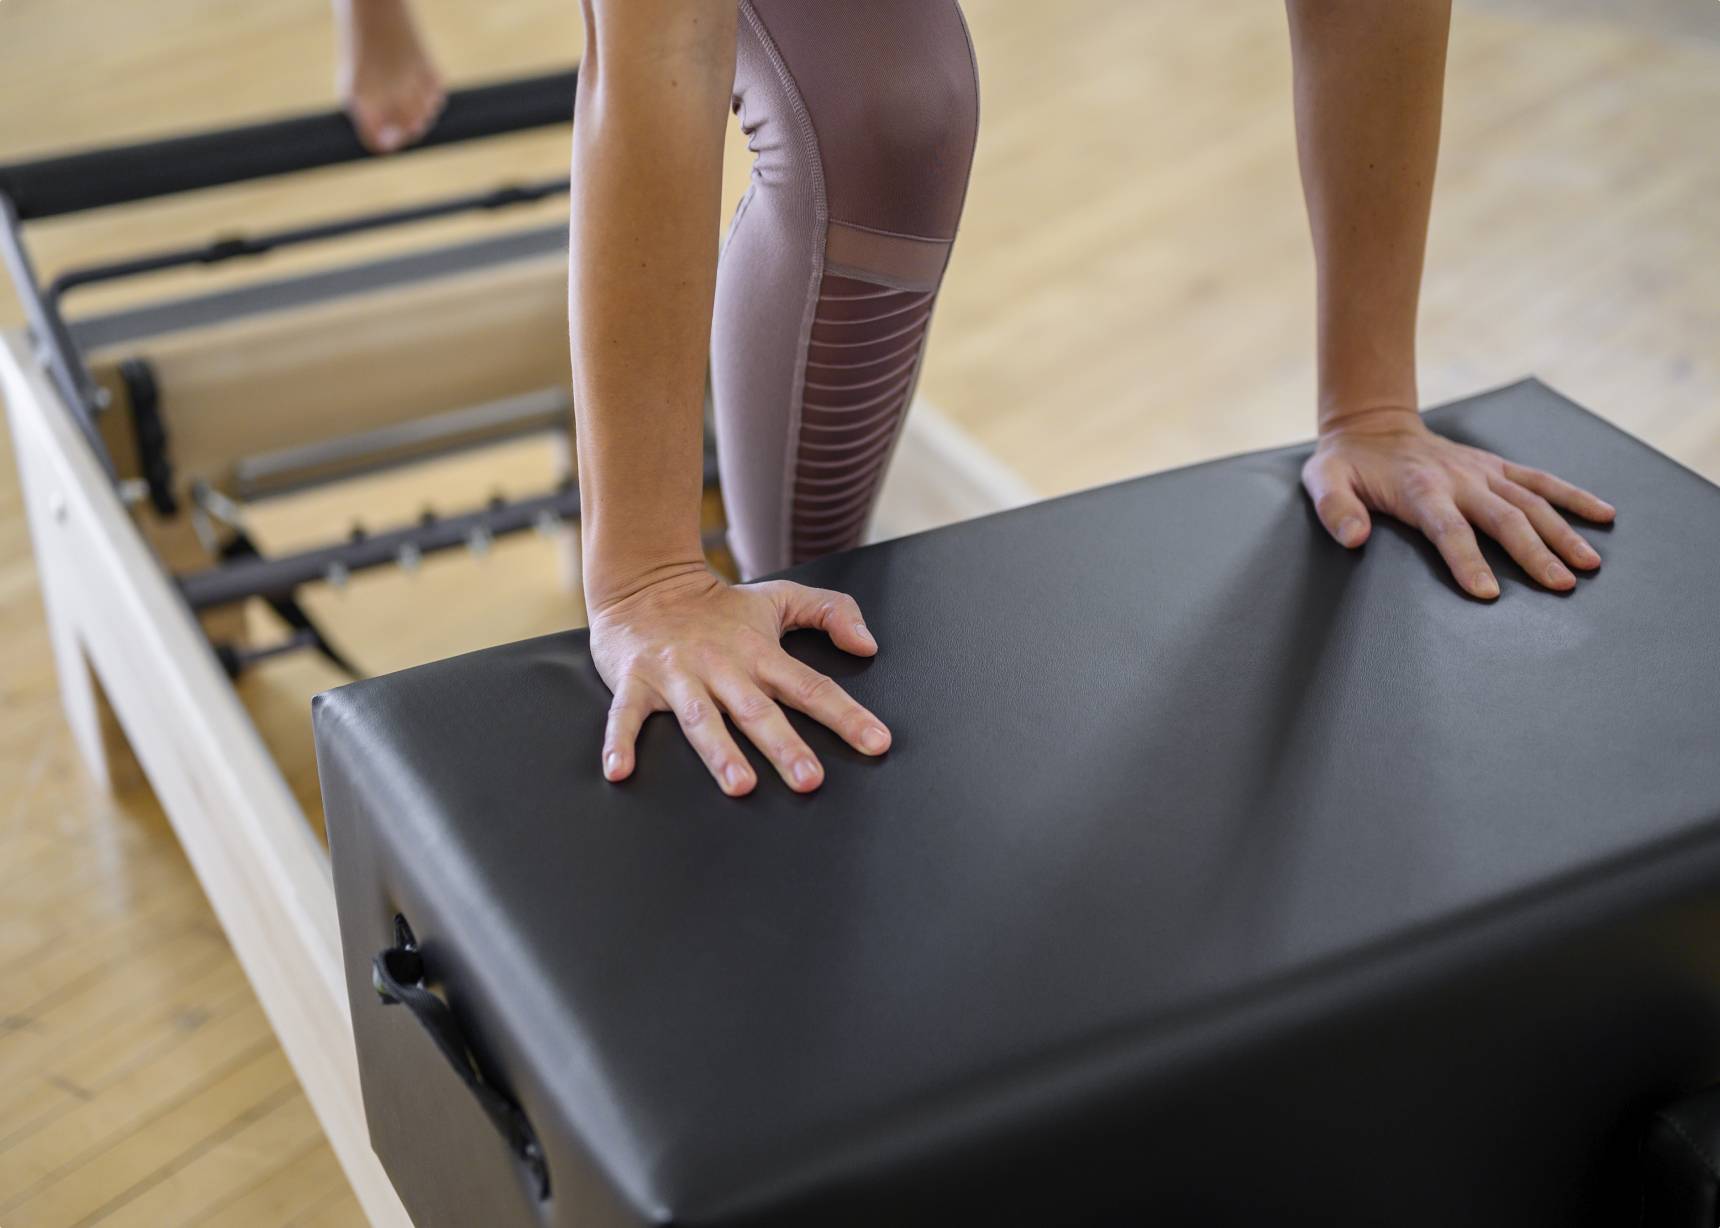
{"points": [[1387, 460]]}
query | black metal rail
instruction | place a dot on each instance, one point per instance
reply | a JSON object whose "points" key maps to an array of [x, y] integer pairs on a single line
{"points": [[280, 576], [236, 247]]}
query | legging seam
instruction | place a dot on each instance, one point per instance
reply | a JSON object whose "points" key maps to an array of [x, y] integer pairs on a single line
{"points": [[860, 298], [889, 234], [821, 217]]}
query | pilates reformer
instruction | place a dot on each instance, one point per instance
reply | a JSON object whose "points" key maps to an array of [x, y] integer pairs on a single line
{"points": [[149, 433], [123, 411], [138, 466]]}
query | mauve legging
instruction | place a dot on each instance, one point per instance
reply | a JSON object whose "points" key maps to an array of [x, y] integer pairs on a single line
{"points": [[863, 115]]}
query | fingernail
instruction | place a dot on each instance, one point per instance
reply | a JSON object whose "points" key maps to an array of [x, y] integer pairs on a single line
{"points": [[735, 776], [1486, 586], [874, 739], [861, 631], [1558, 574], [1588, 556], [804, 772], [389, 137], [1349, 531], [611, 763]]}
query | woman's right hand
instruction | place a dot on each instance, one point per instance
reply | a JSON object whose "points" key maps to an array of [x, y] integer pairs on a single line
{"points": [[692, 644]]}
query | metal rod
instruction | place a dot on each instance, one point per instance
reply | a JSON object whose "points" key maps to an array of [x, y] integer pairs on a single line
{"points": [[128, 325], [240, 246], [48, 332], [286, 470], [275, 577], [237, 658]]}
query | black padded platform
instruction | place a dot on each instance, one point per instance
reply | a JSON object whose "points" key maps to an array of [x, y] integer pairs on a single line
{"points": [[1218, 876]]}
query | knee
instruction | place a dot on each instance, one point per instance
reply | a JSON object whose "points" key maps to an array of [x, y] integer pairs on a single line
{"points": [[900, 161], [890, 90], [926, 104]]}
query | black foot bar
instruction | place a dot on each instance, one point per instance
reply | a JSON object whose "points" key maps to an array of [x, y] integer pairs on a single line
{"points": [[119, 175], [277, 577]]}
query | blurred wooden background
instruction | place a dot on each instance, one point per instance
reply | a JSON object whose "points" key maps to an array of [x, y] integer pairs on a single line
{"points": [[1132, 290]]}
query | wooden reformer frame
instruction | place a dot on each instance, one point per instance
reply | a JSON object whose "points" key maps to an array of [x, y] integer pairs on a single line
{"points": [[132, 425]]}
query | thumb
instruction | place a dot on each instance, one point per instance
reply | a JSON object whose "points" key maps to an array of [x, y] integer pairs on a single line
{"points": [[1331, 485], [836, 614]]}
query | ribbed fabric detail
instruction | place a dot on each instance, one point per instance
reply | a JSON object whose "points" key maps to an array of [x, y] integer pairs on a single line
{"points": [[861, 366]]}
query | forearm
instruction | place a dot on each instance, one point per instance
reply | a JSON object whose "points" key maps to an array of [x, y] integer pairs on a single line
{"points": [[647, 175], [1369, 82]]}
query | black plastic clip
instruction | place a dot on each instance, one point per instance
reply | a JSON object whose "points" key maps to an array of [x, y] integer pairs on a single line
{"points": [[397, 975]]}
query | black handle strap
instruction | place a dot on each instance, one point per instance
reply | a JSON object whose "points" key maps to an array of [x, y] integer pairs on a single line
{"points": [[398, 977], [120, 174], [1681, 1164]]}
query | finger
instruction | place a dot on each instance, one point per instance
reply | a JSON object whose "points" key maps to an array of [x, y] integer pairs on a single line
{"points": [[763, 722], [836, 614], [1331, 485], [1553, 528], [801, 687], [1450, 533], [1561, 493], [703, 725], [633, 702], [1507, 524]]}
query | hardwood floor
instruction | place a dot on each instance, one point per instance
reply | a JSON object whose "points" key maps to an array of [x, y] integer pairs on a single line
{"points": [[1131, 290]]}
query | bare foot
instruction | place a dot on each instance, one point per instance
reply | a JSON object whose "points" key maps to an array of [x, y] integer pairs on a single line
{"points": [[387, 82]]}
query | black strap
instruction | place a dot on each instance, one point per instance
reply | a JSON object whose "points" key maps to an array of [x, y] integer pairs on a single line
{"points": [[241, 547], [1681, 1164], [398, 977]]}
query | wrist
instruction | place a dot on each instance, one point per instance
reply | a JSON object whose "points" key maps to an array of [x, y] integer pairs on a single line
{"points": [[612, 579], [1368, 418], [1366, 372]]}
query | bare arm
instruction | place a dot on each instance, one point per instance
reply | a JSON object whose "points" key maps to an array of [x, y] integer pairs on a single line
{"points": [[647, 174], [1369, 86], [666, 633]]}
